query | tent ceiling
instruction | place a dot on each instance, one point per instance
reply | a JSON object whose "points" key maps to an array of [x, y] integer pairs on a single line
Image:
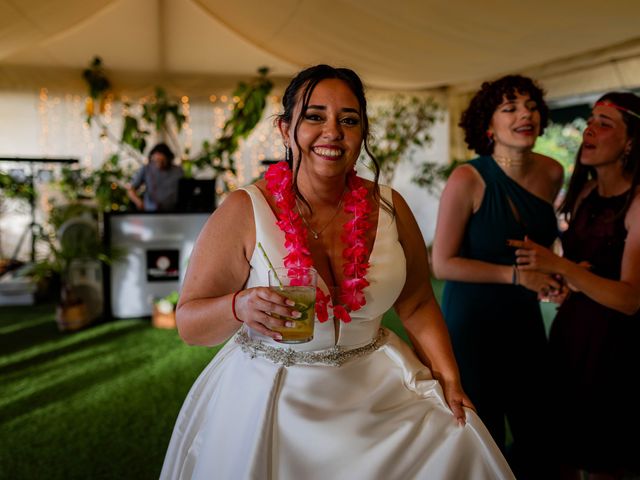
{"points": [[406, 44]]}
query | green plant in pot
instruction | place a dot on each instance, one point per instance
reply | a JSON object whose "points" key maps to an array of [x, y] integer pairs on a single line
{"points": [[76, 254]]}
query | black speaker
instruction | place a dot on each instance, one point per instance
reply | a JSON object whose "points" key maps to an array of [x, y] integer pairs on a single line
{"points": [[195, 195]]}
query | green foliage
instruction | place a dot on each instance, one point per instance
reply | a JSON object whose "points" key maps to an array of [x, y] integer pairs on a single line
{"points": [[161, 110], [72, 236], [81, 246], [432, 175], [562, 142], [168, 302], [59, 214], [173, 297], [133, 134], [161, 113], [247, 112], [158, 114], [11, 188], [399, 126], [104, 186], [71, 232]]}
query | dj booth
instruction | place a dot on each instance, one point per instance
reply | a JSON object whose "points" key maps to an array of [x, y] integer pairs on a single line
{"points": [[156, 247]]}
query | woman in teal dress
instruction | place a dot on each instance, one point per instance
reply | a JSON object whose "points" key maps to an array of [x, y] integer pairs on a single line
{"points": [[490, 306]]}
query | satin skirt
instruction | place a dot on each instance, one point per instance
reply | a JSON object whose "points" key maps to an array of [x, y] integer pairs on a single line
{"points": [[379, 416]]}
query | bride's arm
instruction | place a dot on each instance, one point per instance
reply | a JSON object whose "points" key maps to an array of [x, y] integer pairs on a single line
{"points": [[420, 313], [219, 267]]}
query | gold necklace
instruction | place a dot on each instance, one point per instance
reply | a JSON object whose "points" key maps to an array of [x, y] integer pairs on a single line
{"points": [[508, 161], [316, 233]]}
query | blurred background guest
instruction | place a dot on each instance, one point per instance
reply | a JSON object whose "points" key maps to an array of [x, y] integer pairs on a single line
{"points": [[160, 178], [491, 308], [595, 333]]}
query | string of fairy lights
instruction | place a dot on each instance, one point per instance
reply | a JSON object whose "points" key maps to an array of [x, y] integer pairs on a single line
{"points": [[64, 129]]}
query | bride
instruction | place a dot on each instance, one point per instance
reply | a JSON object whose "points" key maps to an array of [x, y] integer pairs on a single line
{"points": [[355, 401]]}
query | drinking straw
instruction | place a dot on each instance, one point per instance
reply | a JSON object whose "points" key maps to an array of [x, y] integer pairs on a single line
{"points": [[266, 257]]}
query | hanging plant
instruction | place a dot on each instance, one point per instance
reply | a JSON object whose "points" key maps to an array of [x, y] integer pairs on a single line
{"points": [[133, 135], [247, 111], [98, 84], [159, 111], [163, 116], [104, 186]]}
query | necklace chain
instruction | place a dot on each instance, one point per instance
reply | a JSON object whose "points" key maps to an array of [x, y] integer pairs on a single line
{"points": [[316, 233], [508, 161]]}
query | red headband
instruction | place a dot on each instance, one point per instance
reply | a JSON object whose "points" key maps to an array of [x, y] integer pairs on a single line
{"points": [[607, 103]]}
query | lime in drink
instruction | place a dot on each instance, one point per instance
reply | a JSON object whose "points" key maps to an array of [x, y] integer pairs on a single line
{"points": [[299, 285], [305, 298]]}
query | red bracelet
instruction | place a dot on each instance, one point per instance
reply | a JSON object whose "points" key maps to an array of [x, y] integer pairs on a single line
{"points": [[233, 306]]}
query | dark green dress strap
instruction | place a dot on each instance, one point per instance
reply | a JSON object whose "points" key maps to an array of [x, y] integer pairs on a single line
{"points": [[508, 211]]}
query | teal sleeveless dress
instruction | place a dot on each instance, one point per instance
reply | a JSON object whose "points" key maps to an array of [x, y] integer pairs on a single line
{"points": [[497, 330]]}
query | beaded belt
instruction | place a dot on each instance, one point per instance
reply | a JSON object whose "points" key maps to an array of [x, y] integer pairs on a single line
{"points": [[334, 356]]}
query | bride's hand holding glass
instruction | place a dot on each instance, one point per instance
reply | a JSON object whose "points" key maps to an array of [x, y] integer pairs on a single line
{"points": [[255, 306]]}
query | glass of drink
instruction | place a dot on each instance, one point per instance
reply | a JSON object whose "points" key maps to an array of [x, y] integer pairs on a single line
{"points": [[299, 285]]}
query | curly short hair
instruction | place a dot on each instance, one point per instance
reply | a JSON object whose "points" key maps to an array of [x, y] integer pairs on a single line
{"points": [[477, 117]]}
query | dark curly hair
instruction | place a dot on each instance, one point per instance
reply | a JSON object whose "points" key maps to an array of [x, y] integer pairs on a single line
{"points": [[301, 88], [631, 162], [477, 117]]}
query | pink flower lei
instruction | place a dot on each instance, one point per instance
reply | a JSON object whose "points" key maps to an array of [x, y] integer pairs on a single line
{"points": [[279, 180]]}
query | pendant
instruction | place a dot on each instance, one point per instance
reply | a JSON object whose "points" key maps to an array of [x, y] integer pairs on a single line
{"points": [[315, 235]]}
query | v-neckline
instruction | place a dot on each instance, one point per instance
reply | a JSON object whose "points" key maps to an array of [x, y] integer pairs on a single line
{"points": [[326, 288]]}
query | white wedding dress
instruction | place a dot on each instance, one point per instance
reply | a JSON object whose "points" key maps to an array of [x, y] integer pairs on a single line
{"points": [[380, 415]]}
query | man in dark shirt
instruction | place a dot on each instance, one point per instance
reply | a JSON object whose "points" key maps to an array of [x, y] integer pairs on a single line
{"points": [[160, 178]]}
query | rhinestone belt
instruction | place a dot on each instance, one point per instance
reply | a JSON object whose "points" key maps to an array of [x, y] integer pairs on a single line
{"points": [[334, 356]]}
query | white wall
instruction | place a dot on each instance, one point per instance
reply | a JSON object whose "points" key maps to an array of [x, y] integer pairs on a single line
{"points": [[424, 204]]}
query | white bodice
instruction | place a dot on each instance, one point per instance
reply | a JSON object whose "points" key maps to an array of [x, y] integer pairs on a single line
{"points": [[386, 276]]}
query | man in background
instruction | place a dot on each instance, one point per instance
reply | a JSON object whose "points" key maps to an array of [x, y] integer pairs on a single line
{"points": [[160, 178]]}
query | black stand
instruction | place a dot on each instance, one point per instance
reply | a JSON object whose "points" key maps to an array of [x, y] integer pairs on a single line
{"points": [[33, 226]]}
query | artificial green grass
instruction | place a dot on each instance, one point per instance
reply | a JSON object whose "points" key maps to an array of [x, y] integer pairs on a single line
{"points": [[98, 404]]}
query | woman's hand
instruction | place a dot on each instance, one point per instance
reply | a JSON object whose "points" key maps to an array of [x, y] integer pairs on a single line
{"points": [[532, 256], [456, 399], [256, 307], [541, 283]]}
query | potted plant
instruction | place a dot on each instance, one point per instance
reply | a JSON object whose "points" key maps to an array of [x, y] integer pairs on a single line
{"points": [[164, 311], [75, 256]]}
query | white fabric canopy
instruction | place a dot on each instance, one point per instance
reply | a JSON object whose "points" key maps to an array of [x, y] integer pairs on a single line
{"points": [[201, 48], [400, 44]]}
